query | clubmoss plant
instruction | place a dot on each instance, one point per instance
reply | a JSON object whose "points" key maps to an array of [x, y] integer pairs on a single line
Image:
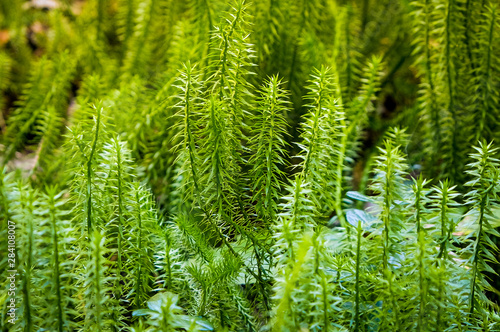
{"points": [[272, 165]]}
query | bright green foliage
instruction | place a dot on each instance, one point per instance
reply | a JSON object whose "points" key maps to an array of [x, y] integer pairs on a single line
{"points": [[210, 165], [59, 234], [94, 287], [455, 50], [269, 144], [485, 173]]}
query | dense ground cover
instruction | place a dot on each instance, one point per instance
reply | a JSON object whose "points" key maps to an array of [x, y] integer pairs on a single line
{"points": [[279, 165]]}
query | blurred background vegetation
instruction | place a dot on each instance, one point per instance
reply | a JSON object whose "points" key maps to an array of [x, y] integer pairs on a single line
{"points": [[126, 50], [439, 79]]}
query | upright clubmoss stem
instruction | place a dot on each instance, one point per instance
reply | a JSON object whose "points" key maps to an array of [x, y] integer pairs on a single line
{"points": [[57, 274], [421, 252], [358, 262], [139, 249], [89, 171], [27, 283], [477, 253], [339, 178], [97, 266], [120, 213], [168, 264]]}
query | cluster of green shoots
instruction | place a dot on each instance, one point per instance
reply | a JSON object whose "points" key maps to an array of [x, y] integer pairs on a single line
{"points": [[189, 171]]}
